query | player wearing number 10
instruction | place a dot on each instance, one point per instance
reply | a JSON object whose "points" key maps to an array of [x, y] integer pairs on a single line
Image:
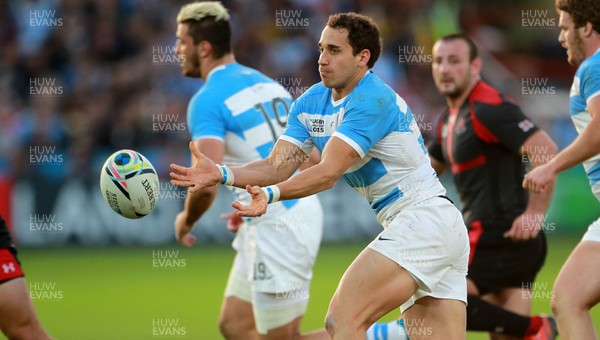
{"points": [[235, 118]]}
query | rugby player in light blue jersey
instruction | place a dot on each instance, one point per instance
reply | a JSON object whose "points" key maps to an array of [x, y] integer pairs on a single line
{"points": [[577, 287], [367, 135], [235, 118]]}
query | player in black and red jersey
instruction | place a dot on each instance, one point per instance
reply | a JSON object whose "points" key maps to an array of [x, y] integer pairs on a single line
{"points": [[484, 140], [18, 319]]}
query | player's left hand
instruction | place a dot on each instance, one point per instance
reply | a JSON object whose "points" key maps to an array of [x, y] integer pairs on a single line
{"points": [[526, 226], [258, 205], [183, 230], [539, 178]]}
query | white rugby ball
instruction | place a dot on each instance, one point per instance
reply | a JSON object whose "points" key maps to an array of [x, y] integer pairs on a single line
{"points": [[129, 184]]}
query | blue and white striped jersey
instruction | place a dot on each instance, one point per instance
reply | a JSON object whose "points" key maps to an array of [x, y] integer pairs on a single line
{"points": [[395, 170], [586, 85], [243, 108]]}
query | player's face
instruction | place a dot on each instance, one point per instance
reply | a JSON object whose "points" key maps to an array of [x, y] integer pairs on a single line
{"points": [[186, 50], [570, 39], [452, 70], [338, 67]]}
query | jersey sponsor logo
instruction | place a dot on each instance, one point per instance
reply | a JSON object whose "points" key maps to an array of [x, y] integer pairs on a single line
{"points": [[381, 238], [9, 267], [316, 125], [526, 125]]}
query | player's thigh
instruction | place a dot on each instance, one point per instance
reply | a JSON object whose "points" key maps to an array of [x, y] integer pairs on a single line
{"points": [[236, 310], [287, 331], [16, 309], [434, 318], [372, 286], [578, 282]]}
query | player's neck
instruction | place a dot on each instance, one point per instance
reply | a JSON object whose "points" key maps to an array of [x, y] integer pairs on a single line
{"points": [[456, 103], [342, 91], [592, 47], [209, 64]]}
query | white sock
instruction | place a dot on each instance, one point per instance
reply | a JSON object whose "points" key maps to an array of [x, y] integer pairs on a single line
{"points": [[394, 330]]}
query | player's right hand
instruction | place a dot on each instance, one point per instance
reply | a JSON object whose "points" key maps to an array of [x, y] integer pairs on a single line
{"points": [[202, 174], [234, 222], [183, 229]]}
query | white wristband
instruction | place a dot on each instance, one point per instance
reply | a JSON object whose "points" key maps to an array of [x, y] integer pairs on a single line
{"points": [[227, 177], [272, 193]]}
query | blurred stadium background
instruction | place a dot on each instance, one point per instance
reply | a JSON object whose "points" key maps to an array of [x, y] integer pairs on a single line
{"points": [[82, 79]]}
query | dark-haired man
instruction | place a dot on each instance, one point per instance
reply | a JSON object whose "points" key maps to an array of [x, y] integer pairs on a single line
{"points": [[366, 134], [577, 287]]}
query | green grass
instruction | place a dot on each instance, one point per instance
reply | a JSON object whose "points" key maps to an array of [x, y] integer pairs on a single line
{"points": [[115, 293]]}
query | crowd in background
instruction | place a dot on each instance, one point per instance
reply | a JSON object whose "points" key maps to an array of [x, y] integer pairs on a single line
{"points": [[85, 78]]}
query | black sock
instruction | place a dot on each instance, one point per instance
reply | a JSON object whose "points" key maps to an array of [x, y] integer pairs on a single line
{"points": [[484, 316]]}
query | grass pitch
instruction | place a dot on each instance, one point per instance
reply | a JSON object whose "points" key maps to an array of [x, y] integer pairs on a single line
{"points": [[131, 293]]}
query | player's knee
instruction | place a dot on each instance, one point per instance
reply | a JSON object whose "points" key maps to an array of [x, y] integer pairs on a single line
{"points": [[330, 324], [25, 329], [228, 328]]}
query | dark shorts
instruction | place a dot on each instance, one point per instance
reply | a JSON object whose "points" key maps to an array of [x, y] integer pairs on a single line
{"points": [[10, 267], [496, 263]]}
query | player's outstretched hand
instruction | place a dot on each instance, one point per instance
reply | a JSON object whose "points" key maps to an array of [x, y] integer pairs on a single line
{"points": [[539, 178], [258, 205], [234, 222], [203, 172]]}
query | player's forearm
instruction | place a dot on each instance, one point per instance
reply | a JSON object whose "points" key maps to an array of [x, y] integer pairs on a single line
{"points": [[585, 146], [197, 203], [261, 172], [308, 182], [540, 149]]}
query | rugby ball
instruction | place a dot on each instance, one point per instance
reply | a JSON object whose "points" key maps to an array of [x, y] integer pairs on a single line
{"points": [[129, 184]]}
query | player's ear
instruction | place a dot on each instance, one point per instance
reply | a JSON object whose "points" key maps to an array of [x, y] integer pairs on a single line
{"points": [[476, 65], [588, 30], [364, 57], [204, 49]]}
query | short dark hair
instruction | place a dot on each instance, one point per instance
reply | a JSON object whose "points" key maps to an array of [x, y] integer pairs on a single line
{"points": [[582, 12], [473, 53], [363, 33]]}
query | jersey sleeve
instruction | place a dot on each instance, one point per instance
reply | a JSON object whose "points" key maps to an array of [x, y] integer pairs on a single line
{"points": [[295, 131], [366, 122], [504, 124], [206, 119], [435, 145], [590, 82]]}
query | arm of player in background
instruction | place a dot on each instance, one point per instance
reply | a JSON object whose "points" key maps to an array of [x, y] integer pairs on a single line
{"points": [[585, 146], [539, 149], [439, 166], [337, 157], [199, 201], [284, 159]]}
